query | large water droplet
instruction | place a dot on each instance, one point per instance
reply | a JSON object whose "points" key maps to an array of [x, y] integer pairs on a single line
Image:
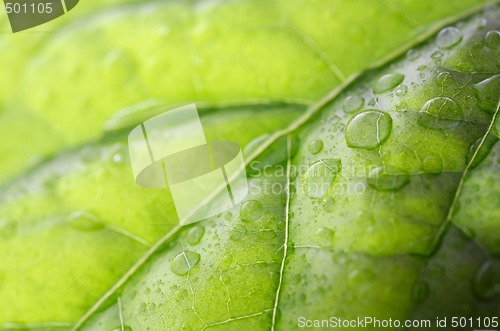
{"points": [[184, 262], [420, 292], [320, 176], [195, 234], [324, 237], [387, 179], [388, 82], [486, 283], [440, 113], [487, 93], [448, 38], [492, 39], [237, 232], [353, 103], [316, 146], [368, 129], [251, 211]]}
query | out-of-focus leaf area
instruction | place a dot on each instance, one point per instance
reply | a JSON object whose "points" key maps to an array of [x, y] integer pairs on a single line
{"points": [[375, 195]]}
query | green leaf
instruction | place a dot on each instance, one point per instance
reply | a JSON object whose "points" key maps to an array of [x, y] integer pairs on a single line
{"points": [[102, 57], [351, 211]]}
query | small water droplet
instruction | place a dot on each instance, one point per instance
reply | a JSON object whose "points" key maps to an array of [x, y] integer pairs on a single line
{"points": [[291, 214], [486, 93], [237, 232], [420, 292], [251, 211], [369, 129], [228, 216], [486, 283], [437, 55], [267, 234], [421, 67], [329, 205], [481, 22], [492, 39], [320, 176], [225, 279], [117, 158], [324, 237], [483, 152], [388, 82], [440, 113], [412, 54], [184, 262], [387, 179], [401, 90], [353, 103], [195, 234], [316, 146], [359, 277], [448, 37]]}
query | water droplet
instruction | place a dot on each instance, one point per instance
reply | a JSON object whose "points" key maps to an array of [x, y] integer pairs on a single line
{"points": [[184, 262], [401, 90], [444, 78], [251, 211], [481, 22], [412, 54], [329, 205], [440, 113], [368, 129], [437, 55], [420, 292], [8, 229], [433, 164], [225, 279], [492, 39], [237, 232], [372, 102], [387, 179], [486, 283], [267, 234], [84, 221], [117, 158], [316, 146], [388, 82], [448, 37], [195, 234], [422, 67], [228, 216], [487, 93], [353, 103], [324, 237], [320, 176], [359, 277]]}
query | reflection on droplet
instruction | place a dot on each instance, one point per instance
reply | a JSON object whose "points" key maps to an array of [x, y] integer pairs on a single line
{"points": [[195, 234], [324, 237], [184, 262], [251, 211], [368, 129], [486, 283], [388, 82], [387, 179], [448, 37], [320, 176], [440, 113], [353, 103], [486, 93], [401, 90], [237, 232], [316, 146]]}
